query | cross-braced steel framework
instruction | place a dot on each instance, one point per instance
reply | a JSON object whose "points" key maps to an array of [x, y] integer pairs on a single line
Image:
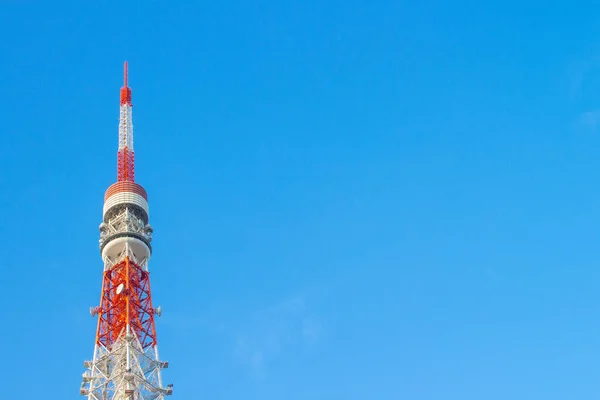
{"points": [[125, 363]]}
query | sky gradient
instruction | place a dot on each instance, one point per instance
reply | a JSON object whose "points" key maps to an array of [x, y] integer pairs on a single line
{"points": [[358, 200]]}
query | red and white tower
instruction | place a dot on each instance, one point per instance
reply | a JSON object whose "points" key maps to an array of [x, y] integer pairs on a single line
{"points": [[125, 365]]}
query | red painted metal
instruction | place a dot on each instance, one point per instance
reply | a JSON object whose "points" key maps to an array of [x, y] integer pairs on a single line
{"points": [[132, 306], [125, 186], [125, 165]]}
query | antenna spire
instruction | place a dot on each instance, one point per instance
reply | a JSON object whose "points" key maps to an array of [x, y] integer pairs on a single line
{"points": [[125, 90], [125, 159]]}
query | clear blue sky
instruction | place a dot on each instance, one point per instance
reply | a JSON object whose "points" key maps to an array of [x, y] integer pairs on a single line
{"points": [[351, 199]]}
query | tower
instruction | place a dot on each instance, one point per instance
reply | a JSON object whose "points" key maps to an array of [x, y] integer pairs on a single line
{"points": [[125, 364]]}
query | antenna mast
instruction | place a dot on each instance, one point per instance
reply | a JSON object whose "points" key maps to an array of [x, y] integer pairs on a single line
{"points": [[125, 157]]}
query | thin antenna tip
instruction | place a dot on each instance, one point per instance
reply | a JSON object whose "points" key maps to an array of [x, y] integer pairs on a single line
{"points": [[125, 90], [125, 73]]}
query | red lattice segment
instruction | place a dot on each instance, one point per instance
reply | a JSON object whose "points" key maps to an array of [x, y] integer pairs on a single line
{"points": [[126, 165], [132, 305]]}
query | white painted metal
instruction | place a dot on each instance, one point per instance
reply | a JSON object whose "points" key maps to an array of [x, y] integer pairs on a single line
{"points": [[115, 246], [126, 128], [125, 198]]}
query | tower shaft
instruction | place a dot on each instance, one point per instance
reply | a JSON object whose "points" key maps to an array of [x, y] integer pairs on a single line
{"points": [[125, 364]]}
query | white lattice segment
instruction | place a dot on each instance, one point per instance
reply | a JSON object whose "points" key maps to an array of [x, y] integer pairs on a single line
{"points": [[125, 128], [125, 372]]}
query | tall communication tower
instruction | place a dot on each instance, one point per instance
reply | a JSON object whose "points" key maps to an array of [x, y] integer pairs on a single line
{"points": [[125, 365]]}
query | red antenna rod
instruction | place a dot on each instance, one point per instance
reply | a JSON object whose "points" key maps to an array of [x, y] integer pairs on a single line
{"points": [[125, 90]]}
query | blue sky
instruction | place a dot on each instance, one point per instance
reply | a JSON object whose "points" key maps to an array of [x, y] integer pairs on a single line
{"points": [[351, 199]]}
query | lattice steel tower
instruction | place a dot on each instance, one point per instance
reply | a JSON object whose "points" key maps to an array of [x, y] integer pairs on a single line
{"points": [[125, 365]]}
